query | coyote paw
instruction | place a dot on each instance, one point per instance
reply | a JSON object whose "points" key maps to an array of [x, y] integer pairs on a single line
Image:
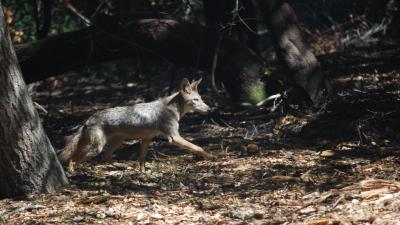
{"points": [[142, 166], [71, 166]]}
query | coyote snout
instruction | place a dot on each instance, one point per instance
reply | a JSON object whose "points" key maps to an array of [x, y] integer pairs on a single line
{"points": [[192, 99], [105, 131], [200, 106]]}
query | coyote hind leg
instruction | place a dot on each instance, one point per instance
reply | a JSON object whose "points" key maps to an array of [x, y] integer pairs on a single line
{"points": [[144, 147]]}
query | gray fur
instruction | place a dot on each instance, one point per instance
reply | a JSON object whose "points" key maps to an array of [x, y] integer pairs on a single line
{"points": [[144, 120]]}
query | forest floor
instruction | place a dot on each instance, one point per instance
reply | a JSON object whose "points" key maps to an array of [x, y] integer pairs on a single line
{"points": [[341, 166]]}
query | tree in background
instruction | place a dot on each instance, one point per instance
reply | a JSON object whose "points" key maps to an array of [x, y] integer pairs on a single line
{"points": [[299, 62]]}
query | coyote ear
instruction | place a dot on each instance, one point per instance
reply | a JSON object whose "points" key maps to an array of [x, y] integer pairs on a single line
{"points": [[185, 85], [195, 84]]}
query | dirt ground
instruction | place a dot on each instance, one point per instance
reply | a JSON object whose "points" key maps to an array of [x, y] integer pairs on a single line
{"points": [[340, 166]]}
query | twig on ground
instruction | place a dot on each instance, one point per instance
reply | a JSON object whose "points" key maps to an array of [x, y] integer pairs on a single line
{"points": [[254, 132], [224, 122], [29, 207], [270, 98], [39, 107]]}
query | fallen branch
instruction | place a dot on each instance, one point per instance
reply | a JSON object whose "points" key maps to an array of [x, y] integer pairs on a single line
{"points": [[164, 39]]}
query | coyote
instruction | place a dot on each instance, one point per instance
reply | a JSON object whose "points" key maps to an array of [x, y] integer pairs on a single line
{"points": [[105, 131]]}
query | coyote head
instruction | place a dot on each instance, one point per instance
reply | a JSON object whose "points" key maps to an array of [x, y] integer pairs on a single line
{"points": [[192, 101]]}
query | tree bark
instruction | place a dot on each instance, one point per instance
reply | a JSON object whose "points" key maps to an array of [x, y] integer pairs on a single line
{"points": [[28, 163], [182, 43], [300, 64]]}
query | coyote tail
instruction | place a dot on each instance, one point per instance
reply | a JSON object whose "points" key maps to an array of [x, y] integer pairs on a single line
{"points": [[70, 149]]}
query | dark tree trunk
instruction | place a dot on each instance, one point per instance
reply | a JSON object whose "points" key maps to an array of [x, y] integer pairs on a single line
{"points": [[28, 163], [42, 16], [301, 66], [182, 43], [393, 15]]}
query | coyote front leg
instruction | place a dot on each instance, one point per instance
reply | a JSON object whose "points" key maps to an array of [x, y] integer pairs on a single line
{"points": [[179, 141], [144, 146]]}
